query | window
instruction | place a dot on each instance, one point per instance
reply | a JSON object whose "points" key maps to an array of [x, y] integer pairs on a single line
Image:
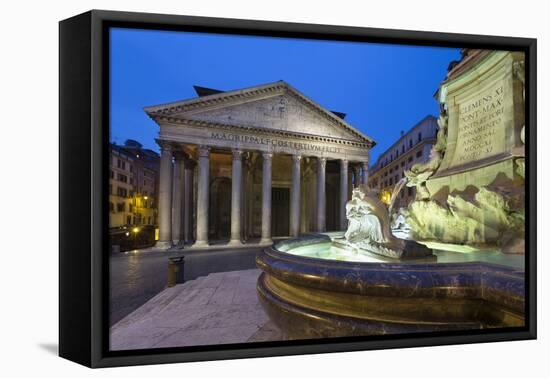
{"points": [[112, 174], [121, 164], [410, 159], [419, 154], [121, 177], [403, 149], [120, 207], [111, 206], [130, 207], [410, 143], [396, 154], [121, 192], [419, 137], [402, 164], [128, 219]]}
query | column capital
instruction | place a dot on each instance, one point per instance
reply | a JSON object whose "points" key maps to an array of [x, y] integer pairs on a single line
{"points": [[344, 162], [165, 146], [323, 161], [203, 151], [237, 154], [296, 158], [267, 155]]}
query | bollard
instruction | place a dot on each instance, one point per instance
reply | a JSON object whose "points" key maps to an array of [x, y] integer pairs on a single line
{"points": [[175, 271]]}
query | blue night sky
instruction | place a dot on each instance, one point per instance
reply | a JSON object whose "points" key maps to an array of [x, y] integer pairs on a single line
{"points": [[382, 88]]}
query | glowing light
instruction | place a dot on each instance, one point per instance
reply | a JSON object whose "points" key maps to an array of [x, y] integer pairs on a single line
{"points": [[135, 230], [385, 197], [127, 234], [145, 198]]}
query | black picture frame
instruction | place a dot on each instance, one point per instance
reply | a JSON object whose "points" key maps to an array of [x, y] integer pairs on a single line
{"points": [[83, 140]]}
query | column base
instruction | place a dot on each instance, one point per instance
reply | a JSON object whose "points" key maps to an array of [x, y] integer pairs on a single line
{"points": [[180, 244], [163, 245], [235, 243], [201, 244], [266, 241]]}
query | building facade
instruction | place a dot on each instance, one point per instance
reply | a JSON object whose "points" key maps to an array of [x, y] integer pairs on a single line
{"points": [[412, 147], [133, 185], [254, 163]]}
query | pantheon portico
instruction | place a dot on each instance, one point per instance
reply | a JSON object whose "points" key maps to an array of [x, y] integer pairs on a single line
{"points": [[252, 164]]}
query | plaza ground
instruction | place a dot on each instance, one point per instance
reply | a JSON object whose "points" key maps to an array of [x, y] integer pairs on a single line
{"points": [[137, 276], [221, 308]]}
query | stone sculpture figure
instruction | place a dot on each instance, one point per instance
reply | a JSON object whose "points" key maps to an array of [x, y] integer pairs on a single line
{"points": [[368, 219], [369, 229]]}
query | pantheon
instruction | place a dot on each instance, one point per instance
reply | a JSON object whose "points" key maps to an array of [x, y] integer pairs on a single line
{"points": [[248, 165]]}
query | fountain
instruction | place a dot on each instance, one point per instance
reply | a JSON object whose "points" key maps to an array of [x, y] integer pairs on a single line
{"points": [[367, 281]]}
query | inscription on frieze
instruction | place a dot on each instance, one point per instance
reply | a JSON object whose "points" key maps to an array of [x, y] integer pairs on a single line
{"points": [[481, 126], [274, 142]]}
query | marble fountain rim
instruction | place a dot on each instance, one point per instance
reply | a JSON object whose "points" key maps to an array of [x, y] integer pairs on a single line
{"points": [[495, 283]]}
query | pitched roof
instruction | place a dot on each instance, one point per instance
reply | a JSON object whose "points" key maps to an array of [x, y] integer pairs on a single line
{"points": [[280, 86]]}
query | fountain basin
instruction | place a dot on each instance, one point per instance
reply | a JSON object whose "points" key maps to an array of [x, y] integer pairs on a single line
{"points": [[309, 297]]}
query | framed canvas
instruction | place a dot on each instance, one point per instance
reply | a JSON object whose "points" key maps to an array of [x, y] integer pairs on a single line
{"points": [[234, 188]]}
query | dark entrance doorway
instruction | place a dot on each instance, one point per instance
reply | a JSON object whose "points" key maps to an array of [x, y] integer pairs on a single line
{"points": [[280, 211], [220, 208]]}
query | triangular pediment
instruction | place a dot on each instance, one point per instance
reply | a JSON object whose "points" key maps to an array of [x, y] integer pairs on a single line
{"points": [[276, 107]]}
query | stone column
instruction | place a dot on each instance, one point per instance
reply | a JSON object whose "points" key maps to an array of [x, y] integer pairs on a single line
{"points": [[203, 196], [365, 177], [343, 193], [295, 197], [165, 198], [188, 201], [236, 196], [266, 199], [356, 175], [177, 201], [321, 199]]}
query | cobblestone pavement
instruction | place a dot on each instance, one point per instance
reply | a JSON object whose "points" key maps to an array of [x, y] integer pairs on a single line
{"points": [[136, 277], [221, 308]]}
